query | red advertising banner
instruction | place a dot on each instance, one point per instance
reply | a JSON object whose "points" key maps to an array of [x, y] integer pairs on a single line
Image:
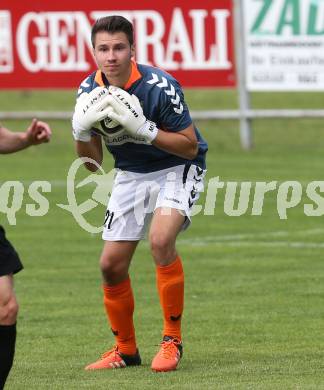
{"points": [[46, 44]]}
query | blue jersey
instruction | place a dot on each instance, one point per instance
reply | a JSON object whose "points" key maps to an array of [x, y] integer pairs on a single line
{"points": [[163, 103]]}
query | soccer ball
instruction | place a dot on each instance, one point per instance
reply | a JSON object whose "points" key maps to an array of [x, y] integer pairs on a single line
{"points": [[110, 126]]}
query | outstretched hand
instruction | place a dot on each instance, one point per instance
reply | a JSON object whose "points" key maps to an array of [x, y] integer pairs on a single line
{"points": [[38, 132]]}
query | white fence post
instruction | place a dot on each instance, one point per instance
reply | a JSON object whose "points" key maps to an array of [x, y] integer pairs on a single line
{"points": [[244, 97]]}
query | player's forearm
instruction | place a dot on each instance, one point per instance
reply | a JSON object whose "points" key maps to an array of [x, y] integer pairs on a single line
{"points": [[11, 142], [177, 144], [93, 150]]}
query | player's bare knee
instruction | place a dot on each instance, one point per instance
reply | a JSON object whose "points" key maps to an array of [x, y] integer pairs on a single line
{"points": [[113, 269], [13, 308], [110, 274], [9, 311], [5, 297], [108, 268], [162, 248]]}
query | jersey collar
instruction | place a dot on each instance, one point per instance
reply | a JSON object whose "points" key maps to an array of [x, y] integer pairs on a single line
{"points": [[134, 76]]}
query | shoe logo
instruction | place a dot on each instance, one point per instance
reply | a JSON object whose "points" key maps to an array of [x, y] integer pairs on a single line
{"points": [[115, 332], [173, 318]]}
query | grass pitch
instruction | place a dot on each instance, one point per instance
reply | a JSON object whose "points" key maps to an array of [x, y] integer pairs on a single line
{"points": [[254, 284]]}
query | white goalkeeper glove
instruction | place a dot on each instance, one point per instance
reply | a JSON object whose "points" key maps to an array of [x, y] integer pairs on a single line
{"points": [[89, 109], [128, 112]]}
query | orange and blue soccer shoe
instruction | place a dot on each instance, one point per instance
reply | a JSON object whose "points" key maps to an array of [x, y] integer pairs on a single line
{"points": [[169, 355], [115, 359]]}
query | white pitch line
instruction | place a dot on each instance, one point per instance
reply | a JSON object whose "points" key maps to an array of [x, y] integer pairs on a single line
{"points": [[237, 237], [271, 244], [54, 183]]}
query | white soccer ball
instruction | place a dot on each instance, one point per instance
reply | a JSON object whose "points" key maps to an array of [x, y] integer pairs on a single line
{"points": [[110, 126]]}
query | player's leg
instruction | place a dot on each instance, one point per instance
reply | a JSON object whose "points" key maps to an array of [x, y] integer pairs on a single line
{"points": [[166, 224], [9, 264], [165, 227], [115, 260], [121, 234], [118, 294], [8, 317], [119, 305], [172, 214]]}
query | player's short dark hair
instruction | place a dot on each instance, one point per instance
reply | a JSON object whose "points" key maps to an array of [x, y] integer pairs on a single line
{"points": [[113, 24]]}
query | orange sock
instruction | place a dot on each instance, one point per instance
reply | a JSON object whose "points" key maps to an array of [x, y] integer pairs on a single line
{"points": [[170, 284], [119, 305]]}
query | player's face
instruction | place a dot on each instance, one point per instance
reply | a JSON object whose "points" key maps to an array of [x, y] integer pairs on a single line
{"points": [[113, 54]]}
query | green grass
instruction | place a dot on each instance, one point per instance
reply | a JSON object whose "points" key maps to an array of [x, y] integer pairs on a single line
{"points": [[254, 285]]}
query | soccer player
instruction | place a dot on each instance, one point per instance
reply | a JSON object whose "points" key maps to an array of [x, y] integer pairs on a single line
{"points": [[37, 133], [153, 140]]}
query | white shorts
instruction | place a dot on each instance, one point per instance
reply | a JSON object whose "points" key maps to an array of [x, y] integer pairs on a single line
{"points": [[135, 196]]}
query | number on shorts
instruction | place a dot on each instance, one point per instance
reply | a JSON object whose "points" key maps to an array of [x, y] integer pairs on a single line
{"points": [[108, 219]]}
